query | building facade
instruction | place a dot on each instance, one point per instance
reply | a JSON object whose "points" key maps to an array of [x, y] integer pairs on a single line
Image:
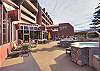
{"points": [[28, 26], [21, 19], [65, 30], [7, 28], [62, 30]]}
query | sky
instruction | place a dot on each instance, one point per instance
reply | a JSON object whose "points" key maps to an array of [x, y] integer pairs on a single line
{"points": [[78, 13]]}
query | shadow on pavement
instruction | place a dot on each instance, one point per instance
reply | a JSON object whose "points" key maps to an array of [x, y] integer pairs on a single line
{"points": [[29, 64], [48, 49], [64, 63]]}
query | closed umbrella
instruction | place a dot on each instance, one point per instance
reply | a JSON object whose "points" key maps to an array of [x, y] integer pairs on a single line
{"points": [[49, 36]]}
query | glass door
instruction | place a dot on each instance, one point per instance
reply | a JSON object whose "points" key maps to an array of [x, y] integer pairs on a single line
{"points": [[26, 34]]}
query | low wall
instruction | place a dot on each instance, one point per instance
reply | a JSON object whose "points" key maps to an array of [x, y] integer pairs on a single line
{"points": [[89, 39], [96, 62], [4, 51]]}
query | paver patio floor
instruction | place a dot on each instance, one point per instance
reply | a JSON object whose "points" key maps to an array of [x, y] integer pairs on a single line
{"points": [[45, 57]]}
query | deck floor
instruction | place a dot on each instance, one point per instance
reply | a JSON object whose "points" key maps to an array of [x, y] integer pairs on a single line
{"points": [[45, 57]]}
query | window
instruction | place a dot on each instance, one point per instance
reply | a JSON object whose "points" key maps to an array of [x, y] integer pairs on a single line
{"points": [[9, 31], [4, 31], [31, 28], [5, 27], [26, 27], [14, 33], [35, 28], [0, 28], [20, 34], [32, 34], [21, 27], [26, 38]]}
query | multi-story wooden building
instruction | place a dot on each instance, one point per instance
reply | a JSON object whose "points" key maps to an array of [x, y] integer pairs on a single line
{"points": [[21, 19], [7, 28], [27, 24]]}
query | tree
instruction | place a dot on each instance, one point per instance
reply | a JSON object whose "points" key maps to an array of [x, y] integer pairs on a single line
{"points": [[96, 19]]}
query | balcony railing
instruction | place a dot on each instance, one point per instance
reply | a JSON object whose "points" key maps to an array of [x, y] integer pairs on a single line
{"points": [[45, 20], [46, 17], [27, 18], [43, 24], [28, 12], [31, 5]]}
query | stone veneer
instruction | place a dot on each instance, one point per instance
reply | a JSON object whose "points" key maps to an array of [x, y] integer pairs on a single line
{"points": [[96, 62]]}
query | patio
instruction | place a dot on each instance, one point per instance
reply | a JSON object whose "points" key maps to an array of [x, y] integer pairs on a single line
{"points": [[45, 57]]}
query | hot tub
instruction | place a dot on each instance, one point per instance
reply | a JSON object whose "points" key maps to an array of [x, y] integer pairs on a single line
{"points": [[82, 52], [85, 44]]}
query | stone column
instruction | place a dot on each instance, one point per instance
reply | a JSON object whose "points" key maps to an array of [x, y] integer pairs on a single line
{"points": [[99, 44], [99, 41]]}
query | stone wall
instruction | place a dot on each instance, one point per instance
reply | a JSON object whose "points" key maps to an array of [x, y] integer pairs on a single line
{"points": [[5, 49]]}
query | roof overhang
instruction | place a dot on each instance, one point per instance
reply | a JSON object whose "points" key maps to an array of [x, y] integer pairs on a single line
{"points": [[17, 22], [10, 3]]}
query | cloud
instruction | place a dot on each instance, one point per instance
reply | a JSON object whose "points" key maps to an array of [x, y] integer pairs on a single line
{"points": [[73, 11]]}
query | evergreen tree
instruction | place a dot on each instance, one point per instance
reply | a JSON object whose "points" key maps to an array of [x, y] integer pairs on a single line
{"points": [[96, 19]]}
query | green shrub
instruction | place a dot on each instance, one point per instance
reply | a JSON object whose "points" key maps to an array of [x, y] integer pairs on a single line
{"points": [[25, 47]]}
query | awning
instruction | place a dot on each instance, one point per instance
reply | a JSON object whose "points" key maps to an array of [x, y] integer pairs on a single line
{"points": [[17, 22], [9, 2]]}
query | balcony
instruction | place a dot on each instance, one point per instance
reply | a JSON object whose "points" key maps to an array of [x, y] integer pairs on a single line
{"points": [[46, 17], [23, 21], [46, 20], [31, 5], [27, 11], [43, 24], [27, 18]]}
